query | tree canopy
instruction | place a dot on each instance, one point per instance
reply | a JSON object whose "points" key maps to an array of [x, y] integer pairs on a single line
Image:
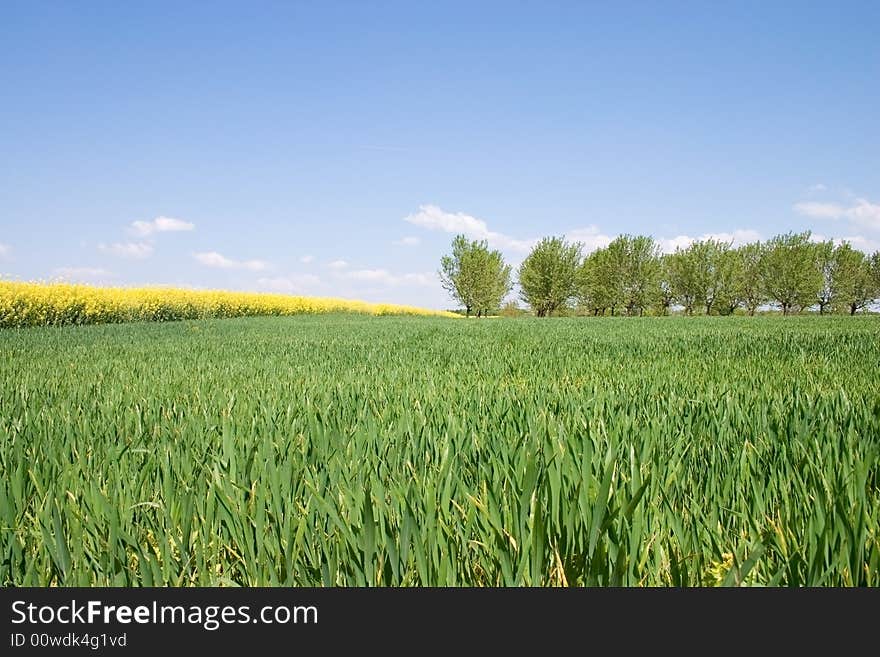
{"points": [[474, 276], [548, 276]]}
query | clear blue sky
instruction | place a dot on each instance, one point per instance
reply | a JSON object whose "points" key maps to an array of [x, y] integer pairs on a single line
{"points": [[334, 148]]}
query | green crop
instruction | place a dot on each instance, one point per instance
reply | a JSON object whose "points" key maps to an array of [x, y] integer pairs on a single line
{"points": [[412, 451]]}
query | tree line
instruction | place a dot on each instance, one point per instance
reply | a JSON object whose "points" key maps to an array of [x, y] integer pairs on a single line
{"points": [[631, 276]]}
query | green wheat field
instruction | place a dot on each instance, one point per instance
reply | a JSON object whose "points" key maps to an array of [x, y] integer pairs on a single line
{"points": [[402, 451]]}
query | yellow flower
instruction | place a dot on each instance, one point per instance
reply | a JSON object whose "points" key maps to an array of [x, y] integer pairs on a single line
{"points": [[41, 304]]}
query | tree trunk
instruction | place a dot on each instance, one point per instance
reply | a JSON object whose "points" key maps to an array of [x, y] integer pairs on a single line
{"points": [[467, 311], [785, 308], [853, 308]]}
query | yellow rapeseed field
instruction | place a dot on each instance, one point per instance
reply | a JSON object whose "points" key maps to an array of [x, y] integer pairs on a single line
{"points": [[54, 304]]}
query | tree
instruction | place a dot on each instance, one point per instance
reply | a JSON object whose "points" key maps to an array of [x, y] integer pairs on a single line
{"points": [[548, 276], [749, 282], [729, 273], [684, 279], [665, 293], [705, 273], [596, 288], [712, 282], [639, 258], [475, 276], [854, 286], [823, 254], [788, 271], [875, 272]]}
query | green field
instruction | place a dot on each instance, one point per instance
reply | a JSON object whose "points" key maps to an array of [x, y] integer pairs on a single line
{"points": [[343, 450]]}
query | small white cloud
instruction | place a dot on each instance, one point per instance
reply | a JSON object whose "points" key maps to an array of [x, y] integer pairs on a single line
{"points": [[4, 249], [370, 275], [738, 237], [433, 218], [293, 283], [865, 214], [384, 277], [862, 212], [591, 237], [82, 272], [863, 244], [818, 187], [418, 279], [160, 225], [670, 244], [820, 210], [407, 241], [214, 259], [133, 250], [858, 242], [307, 259], [338, 264]]}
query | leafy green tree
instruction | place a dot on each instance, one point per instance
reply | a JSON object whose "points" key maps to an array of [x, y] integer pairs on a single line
{"points": [[840, 267], [708, 257], [789, 273], [640, 269], [548, 277], [875, 271], [475, 276], [612, 272], [624, 274], [708, 273], [665, 296], [854, 286], [595, 288], [727, 277], [685, 279], [749, 281]]}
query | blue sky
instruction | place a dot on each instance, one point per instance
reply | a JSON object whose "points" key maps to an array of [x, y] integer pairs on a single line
{"points": [[335, 148]]}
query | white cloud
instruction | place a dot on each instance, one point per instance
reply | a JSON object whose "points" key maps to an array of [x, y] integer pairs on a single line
{"points": [[820, 210], [384, 277], [293, 283], [863, 212], [338, 264], [857, 242], [862, 243], [4, 249], [160, 225], [670, 244], [818, 187], [81, 272], [433, 218], [590, 237], [407, 241], [306, 259], [134, 250], [214, 259], [738, 237]]}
